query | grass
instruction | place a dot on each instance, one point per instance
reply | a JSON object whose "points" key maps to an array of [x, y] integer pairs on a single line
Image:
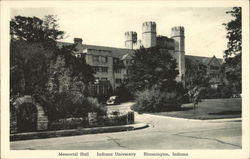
{"points": [[209, 109]]}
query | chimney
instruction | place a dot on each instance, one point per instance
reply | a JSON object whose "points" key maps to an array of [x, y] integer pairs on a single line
{"points": [[77, 40]]}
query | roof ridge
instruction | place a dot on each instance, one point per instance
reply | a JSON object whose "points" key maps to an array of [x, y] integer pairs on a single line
{"points": [[95, 45], [204, 56]]}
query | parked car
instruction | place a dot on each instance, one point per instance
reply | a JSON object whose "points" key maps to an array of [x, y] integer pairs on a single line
{"points": [[113, 100]]}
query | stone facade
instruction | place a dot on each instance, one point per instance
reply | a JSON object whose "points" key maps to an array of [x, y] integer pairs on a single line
{"points": [[149, 34], [111, 65], [179, 50], [210, 67], [42, 119]]}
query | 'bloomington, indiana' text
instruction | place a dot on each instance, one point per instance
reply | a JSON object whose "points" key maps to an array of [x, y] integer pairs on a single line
{"points": [[132, 154]]}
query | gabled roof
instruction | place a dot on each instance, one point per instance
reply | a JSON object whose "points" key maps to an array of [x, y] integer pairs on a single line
{"points": [[126, 56], [201, 60], [218, 59]]}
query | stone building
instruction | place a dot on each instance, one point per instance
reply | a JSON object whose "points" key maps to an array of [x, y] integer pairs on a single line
{"points": [[111, 65]]}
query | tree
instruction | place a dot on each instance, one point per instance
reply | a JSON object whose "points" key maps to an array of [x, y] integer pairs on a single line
{"points": [[29, 64], [33, 29], [153, 81], [195, 94], [198, 78], [33, 42], [232, 55], [152, 67], [197, 86], [54, 76], [234, 30]]}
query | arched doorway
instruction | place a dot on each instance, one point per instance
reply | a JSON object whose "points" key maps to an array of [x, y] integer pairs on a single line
{"points": [[26, 115], [26, 118]]}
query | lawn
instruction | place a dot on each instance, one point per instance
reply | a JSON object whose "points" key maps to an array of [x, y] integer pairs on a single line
{"points": [[209, 109]]}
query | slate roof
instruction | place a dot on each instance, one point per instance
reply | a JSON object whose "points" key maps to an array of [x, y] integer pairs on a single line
{"points": [[200, 60], [122, 53], [112, 51]]}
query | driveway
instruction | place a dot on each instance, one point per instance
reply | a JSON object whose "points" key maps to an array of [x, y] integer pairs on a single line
{"points": [[162, 133]]}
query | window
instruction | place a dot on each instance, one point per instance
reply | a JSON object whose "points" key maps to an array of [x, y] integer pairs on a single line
{"points": [[127, 71], [202, 67], [100, 89], [95, 69], [117, 70], [127, 61], [104, 79], [213, 75], [104, 69], [104, 59], [95, 58], [115, 60], [214, 67], [132, 61], [95, 89], [118, 81]]}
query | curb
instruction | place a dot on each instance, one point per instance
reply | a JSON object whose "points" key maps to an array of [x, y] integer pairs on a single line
{"points": [[198, 120], [72, 132]]}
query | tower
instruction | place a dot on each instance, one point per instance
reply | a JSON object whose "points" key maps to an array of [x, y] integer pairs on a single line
{"points": [[177, 33], [149, 34], [130, 39]]}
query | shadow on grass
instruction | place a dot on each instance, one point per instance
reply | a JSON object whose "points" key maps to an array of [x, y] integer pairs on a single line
{"points": [[170, 110], [226, 113], [184, 109]]}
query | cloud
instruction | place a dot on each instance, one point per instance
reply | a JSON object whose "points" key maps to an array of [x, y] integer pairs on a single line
{"points": [[205, 35]]}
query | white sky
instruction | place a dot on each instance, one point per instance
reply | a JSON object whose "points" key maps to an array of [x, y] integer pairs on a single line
{"points": [[204, 32]]}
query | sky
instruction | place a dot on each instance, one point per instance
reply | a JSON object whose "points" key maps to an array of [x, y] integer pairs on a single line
{"points": [[104, 25]]}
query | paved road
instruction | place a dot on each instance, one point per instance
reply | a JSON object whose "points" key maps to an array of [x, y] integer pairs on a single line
{"points": [[162, 133]]}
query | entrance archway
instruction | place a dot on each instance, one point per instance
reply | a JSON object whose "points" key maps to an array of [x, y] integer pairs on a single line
{"points": [[26, 118], [27, 115]]}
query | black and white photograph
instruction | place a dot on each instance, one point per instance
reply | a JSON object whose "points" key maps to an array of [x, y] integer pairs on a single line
{"points": [[125, 79]]}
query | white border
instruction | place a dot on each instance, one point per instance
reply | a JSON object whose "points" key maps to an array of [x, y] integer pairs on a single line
{"points": [[5, 14]]}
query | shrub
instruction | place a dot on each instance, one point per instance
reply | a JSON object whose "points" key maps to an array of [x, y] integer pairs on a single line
{"points": [[123, 92], [223, 91], [131, 117], [226, 92], [116, 118], [68, 123], [155, 100], [95, 106], [67, 105], [83, 105]]}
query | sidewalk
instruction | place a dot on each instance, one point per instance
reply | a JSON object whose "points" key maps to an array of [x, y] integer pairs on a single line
{"points": [[72, 132], [202, 120]]}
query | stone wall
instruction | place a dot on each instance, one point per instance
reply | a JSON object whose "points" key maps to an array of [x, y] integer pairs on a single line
{"points": [[42, 119]]}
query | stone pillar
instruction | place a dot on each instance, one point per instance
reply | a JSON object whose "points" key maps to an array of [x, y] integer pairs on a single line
{"points": [[92, 117], [42, 120]]}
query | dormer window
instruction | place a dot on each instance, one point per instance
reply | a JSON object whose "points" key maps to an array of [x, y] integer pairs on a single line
{"points": [[96, 58]]}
